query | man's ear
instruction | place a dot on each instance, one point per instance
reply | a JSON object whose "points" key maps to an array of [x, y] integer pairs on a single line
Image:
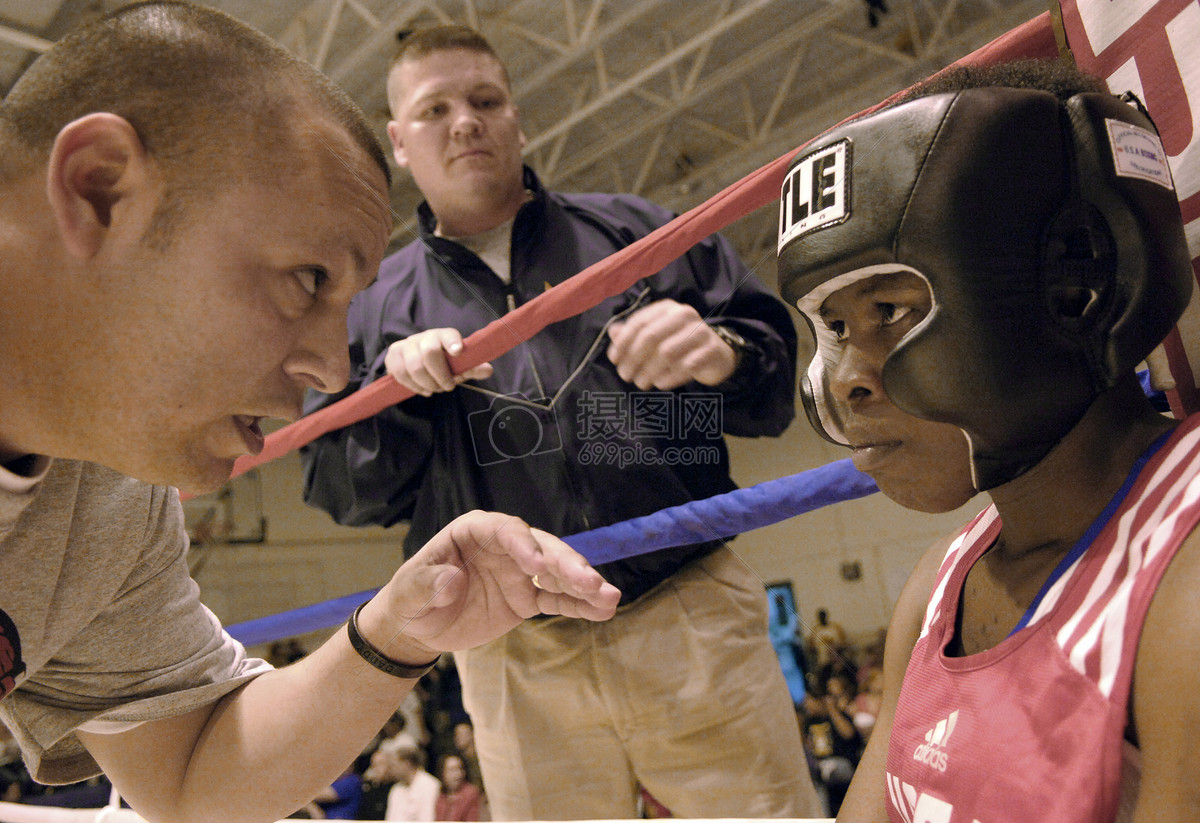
{"points": [[97, 162], [393, 133]]}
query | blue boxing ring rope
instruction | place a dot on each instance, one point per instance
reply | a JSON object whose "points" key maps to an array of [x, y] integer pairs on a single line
{"points": [[719, 517]]}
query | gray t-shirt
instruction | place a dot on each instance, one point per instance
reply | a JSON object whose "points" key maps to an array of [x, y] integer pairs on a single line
{"points": [[100, 622]]}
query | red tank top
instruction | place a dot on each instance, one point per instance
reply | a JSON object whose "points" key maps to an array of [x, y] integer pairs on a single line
{"points": [[1032, 729]]}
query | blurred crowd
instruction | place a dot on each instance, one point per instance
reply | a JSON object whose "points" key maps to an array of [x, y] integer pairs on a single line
{"points": [[843, 690], [422, 765]]}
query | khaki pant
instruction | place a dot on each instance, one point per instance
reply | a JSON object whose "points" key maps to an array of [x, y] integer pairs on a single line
{"points": [[681, 692]]}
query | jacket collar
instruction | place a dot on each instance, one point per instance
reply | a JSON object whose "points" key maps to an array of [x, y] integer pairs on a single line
{"points": [[426, 222]]}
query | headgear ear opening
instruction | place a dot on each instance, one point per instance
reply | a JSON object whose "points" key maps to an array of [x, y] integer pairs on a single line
{"points": [[1078, 269], [1128, 223]]}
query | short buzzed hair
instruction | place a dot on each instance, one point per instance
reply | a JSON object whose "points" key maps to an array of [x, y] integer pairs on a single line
{"points": [[193, 82], [423, 42]]}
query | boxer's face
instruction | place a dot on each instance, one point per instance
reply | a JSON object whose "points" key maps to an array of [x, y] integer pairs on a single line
{"points": [[918, 463]]}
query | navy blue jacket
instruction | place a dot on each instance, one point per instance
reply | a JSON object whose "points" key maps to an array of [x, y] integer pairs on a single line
{"points": [[554, 436]]}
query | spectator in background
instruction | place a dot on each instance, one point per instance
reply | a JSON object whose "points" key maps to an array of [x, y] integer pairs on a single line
{"points": [[870, 657], [396, 729], [460, 799], [827, 642], [377, 781], [285, 652], [412, 709], [868, 701], [832, 742], [414, 792], [464, 744], [341, 801], [443, 707]]}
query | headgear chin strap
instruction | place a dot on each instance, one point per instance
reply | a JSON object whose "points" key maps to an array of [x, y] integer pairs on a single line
{"points": [[1049, 234]]}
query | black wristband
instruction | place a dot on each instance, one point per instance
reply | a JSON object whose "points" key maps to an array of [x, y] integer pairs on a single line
{"points": [[376, 658]]}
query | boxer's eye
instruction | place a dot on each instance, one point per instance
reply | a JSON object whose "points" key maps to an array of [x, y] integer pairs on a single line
{"points": [[890, 313]]}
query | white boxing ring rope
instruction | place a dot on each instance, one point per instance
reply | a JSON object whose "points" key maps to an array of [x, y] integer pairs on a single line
{"points": [[113, 813], [18, 813]]}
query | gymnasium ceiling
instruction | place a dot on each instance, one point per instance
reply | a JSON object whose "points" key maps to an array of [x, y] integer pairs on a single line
{"points": [[670, 99]]}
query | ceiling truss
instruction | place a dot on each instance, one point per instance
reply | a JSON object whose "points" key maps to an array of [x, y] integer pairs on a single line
{"points": [[670, 99]]}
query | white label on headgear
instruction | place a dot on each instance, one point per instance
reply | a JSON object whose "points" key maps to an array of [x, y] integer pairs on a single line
{"points": [[1138, 152], [815, 192]]}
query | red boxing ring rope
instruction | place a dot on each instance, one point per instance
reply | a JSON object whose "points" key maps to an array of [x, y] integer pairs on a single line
{"points": [[607, 277], [613, 274]]}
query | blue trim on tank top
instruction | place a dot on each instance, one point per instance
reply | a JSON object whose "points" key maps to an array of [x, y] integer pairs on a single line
{"points": [[1097, 525]]}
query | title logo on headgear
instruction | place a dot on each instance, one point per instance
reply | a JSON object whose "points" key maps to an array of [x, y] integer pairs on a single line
{"points": [[816, 192]]}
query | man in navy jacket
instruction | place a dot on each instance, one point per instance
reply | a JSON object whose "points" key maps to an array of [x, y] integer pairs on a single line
{"points": [[613, 414]]}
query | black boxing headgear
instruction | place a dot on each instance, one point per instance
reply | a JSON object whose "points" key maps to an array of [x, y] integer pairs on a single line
{"points": [[1049, 234]]}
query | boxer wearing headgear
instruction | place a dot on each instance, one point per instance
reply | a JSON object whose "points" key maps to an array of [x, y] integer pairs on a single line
{"points": [[995, 262], [1048, 233]]}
